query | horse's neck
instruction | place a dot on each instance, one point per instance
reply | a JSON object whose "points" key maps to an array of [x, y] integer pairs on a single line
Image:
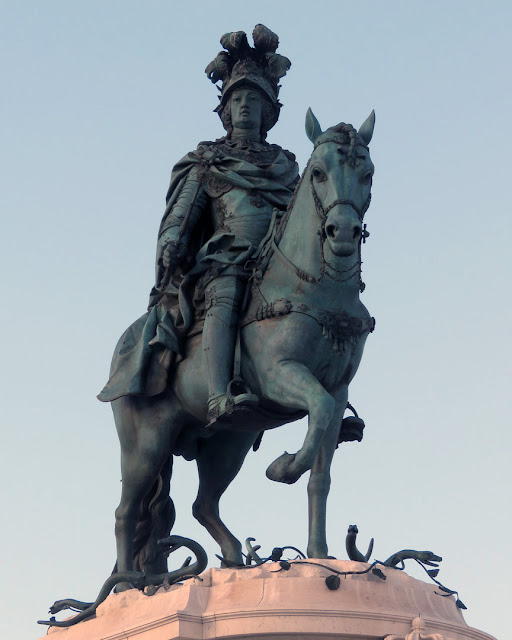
{"points": [[300, 240], [301, 243]]}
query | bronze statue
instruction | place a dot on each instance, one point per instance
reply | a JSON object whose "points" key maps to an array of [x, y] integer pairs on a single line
{"points": [[255, 318]]}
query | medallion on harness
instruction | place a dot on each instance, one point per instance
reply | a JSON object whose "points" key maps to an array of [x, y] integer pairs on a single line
{"points": [[343, 329]]}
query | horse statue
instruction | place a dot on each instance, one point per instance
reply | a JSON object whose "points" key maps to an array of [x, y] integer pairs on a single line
{"points": [[301, 342]]}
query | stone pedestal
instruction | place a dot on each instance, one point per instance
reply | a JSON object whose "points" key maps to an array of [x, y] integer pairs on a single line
{"points": [[261, 603]]}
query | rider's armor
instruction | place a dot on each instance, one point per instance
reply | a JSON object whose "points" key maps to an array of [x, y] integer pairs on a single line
{"points": [[239, 219], [245, 214]]}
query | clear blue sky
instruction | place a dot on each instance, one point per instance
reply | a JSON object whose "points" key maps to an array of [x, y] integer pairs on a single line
{"points": [[99, 100]]}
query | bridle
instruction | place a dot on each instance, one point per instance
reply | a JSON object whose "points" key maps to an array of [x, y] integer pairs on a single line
{"points": [[326, 268], [351, 203], [322, 212]]}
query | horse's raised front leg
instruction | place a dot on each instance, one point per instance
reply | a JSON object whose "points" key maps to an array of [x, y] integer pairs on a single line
{"points": [[320, 481], [145, 446], [292, 385], [218, 462]]}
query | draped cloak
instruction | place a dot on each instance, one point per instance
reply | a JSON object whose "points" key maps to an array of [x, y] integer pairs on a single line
{"points": [[149, 349]]}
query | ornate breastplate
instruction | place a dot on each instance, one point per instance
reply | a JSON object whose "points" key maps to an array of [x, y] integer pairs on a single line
{"points": [[245, 214]]}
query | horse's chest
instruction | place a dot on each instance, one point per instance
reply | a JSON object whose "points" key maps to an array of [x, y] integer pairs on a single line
{"points": [[333, 366], [331, 354]]}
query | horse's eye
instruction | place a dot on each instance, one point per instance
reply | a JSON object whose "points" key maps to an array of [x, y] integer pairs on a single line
{"points": [[318, 174], [366, 178]]}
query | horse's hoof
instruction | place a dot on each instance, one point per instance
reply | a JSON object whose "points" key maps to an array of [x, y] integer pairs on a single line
{"points": [[123, 586], [280, 470], [230, 564], [319, 554]]}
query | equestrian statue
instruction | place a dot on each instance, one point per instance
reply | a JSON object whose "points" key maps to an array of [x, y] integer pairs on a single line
{"points": [[255, 318]]}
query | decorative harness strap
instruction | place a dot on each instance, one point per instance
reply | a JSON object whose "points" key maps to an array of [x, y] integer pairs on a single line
{"points": [[307, 277], [341, 329]]}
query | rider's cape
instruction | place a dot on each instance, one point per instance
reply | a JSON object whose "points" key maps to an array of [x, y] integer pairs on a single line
{"points": [[150, 348]]}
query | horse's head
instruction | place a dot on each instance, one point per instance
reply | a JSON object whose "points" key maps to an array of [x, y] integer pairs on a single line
{"points": [[340, 173]]}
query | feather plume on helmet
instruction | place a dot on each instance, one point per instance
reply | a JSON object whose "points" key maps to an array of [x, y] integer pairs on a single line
{"points": [[241, 65]]}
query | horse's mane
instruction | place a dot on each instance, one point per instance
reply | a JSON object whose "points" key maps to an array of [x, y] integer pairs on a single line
{"points": [[282, 223], [343, 134], [346, 134]]}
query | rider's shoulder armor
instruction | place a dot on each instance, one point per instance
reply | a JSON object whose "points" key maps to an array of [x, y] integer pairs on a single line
{"points": [[288, 154]]}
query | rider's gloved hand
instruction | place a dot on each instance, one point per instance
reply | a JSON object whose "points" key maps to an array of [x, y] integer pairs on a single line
{"points": [[173, 259], [173, 249], [171, 255]]}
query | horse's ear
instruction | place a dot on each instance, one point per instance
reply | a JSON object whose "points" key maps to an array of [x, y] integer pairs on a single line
{"points": [[366, 130], [313, 128]]}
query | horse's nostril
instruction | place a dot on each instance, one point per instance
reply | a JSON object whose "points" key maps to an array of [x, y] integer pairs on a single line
{"points": [[330, 230], [357, 231]]}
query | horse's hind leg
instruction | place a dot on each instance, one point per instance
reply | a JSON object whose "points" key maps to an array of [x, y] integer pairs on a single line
{"points": [[144, 435], [293, 385], [218, 462], [320, 482]]}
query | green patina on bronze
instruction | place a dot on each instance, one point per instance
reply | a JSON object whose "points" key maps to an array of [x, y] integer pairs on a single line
{"points": [[255, 318]]}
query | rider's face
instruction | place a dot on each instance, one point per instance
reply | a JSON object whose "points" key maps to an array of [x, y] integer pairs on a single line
{"points": [[246, 109]]}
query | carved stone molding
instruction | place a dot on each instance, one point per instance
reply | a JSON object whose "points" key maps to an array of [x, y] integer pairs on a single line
{"points": [[417, 632], [265, 603]]}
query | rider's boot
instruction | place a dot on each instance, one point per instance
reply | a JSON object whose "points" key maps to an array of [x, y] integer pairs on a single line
{"points": [[223, 298]]}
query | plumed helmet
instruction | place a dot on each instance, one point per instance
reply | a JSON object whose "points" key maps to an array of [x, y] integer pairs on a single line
{"points": [[241, 65]]}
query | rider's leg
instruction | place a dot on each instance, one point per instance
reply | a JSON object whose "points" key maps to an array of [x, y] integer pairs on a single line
{"points": [[223, 298]]}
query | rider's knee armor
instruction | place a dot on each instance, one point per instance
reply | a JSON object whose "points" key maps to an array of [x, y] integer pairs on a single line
{"points": [[223, 299]]}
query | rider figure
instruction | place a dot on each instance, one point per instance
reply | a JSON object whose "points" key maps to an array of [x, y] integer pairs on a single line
{"points": [[220, 202], [240, 181]]}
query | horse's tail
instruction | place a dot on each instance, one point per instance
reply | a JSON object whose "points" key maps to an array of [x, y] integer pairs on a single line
{"points": [[155, 521]]}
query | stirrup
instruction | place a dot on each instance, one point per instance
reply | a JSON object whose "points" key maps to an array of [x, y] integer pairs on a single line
{"points": [[221, 408]]}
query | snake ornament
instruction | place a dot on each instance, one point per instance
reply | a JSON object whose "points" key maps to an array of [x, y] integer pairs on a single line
{"points": [[138, 579]]}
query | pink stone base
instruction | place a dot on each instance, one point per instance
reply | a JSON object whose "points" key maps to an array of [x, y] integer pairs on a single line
{"points": [[260, 603]]}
